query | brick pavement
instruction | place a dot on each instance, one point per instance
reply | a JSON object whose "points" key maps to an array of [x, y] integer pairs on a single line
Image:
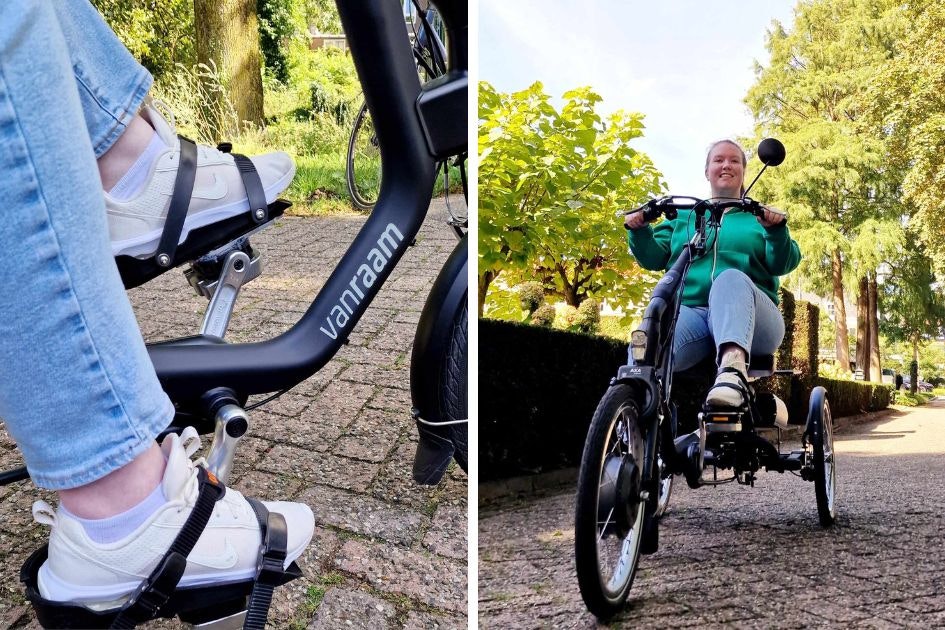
{"points": [[752, 558], [387, 553]]}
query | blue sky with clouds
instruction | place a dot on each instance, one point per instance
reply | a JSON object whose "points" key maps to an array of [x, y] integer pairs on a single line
{"points": [[685, 64]]}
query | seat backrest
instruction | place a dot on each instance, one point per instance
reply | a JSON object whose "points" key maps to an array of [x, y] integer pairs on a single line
{"points": [[761, 366]]}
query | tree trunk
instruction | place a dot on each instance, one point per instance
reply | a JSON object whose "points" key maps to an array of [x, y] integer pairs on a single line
{"points": [[840, 313], [914, 368], [484, 281], [863, 329], [228, 37], [876, 368]]}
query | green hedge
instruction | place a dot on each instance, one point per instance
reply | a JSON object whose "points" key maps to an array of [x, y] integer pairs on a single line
{"points": [[848, 398], [538, 390]]}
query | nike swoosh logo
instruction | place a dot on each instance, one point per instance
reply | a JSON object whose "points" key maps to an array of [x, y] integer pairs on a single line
{"points": [[226, 560], [216, 191]]}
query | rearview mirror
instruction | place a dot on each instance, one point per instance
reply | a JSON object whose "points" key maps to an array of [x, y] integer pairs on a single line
{"points": [[771, 152]]}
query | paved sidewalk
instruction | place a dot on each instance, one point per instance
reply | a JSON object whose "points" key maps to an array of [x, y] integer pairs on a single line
{"points": [[753, 557], [387, 553]]}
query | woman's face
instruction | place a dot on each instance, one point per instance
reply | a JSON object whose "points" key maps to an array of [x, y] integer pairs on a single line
{"points": [[725, 170]]}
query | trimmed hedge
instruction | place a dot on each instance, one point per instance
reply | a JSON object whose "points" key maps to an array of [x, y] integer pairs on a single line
{"points": [[848, 398], [538, 390]]}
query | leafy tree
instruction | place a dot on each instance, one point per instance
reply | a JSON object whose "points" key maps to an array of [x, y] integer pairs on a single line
{"points": [[836, 176], [908, 99], [915, 306], [550, 184], [159, 33]]}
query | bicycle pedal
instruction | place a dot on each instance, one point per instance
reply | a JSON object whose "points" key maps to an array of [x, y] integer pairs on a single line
{"points": [[721, 421], [216, 606]]}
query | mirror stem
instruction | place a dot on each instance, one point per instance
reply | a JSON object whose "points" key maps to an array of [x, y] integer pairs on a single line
{"points": [[754, 180]]}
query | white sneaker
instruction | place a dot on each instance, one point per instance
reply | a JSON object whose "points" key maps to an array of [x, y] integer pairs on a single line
{"points": [[102, 576], [135, 225], [725, 397]]}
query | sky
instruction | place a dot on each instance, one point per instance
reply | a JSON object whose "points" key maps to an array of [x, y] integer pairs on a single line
{"points": [[685, 64]]}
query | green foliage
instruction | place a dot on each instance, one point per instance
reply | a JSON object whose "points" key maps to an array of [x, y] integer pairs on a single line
{"points": [[159, 33], [550, 183], [531, 295], [588, 316], [276, 28], [907, 399], [849, 398], [829, 369], [544, 315]]}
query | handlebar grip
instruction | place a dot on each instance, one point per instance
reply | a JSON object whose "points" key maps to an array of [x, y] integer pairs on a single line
{"points": [[651, 213]]}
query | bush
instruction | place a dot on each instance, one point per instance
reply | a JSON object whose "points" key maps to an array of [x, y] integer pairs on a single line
{"points": [[849, 398], [566, 317], [913, 400], [531, 295], [539, 389], [588, 316], [544, 315]]}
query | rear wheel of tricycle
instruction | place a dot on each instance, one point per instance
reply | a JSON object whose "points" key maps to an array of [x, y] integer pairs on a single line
{"points": [[820, 435], [609, 512]]}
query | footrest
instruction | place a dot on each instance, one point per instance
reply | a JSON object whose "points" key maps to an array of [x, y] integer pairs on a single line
{"points": [[721, 421], [194, 605], [201, 241]]}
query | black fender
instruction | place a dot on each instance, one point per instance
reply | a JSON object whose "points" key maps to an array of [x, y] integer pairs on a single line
{"points": [[431, 346]]}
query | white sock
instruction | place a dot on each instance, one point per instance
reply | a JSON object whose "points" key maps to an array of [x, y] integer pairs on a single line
{"points": [[108, 530], [134, 180]]}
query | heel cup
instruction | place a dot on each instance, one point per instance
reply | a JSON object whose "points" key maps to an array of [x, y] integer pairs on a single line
{"points": [[194, 605]]}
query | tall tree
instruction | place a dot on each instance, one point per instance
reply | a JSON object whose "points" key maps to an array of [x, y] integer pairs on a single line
{"points": [[228, 38], [812, 96]]}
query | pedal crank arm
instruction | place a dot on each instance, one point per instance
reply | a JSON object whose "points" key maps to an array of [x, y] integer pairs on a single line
{"points": [[235, 273]]}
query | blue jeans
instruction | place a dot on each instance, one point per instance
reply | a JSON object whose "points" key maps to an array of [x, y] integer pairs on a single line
{"points": [[738, 312], [78, 392]]}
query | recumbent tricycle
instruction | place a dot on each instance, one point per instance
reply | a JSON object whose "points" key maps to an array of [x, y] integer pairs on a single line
{"points": [[632, 450]]}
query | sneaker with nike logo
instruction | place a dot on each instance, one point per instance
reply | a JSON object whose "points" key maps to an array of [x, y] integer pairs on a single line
{"points": [[135, 225], [102, 576]]}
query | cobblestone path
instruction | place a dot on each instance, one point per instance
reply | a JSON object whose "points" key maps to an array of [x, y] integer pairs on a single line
{"points": [[387, 553], [753, 557]]}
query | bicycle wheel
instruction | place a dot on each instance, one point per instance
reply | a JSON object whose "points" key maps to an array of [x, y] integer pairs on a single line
{"points": [[820, 433], [363, 168], [608, 520]]}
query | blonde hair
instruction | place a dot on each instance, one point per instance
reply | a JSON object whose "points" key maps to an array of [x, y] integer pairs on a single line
{"points": [[734, 144]]}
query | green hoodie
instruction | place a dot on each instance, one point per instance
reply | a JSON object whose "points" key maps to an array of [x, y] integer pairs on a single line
{"points": [[743, 244]]}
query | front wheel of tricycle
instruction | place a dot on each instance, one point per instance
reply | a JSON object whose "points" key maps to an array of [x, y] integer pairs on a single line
{"points": [[609, 512], [820, 434]]}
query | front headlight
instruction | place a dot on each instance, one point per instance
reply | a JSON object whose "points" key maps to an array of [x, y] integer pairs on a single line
{"points": [[638, 345]]}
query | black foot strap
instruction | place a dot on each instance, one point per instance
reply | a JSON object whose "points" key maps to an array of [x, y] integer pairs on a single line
{"points": [[147, 600], [269, 569], [180, 202], [258, 208]]}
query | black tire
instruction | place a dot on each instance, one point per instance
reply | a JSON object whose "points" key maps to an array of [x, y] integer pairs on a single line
{"points": [[820, 434], [453, 394], [363, 166], [612, 462]]}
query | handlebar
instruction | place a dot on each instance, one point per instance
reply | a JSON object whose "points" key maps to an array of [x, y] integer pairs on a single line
{"points": [[669, 205]]}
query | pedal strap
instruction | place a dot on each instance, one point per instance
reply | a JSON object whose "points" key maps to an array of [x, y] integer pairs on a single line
{"points": [[258, 208], [270, 567], [153, 593], [180, 202]]}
